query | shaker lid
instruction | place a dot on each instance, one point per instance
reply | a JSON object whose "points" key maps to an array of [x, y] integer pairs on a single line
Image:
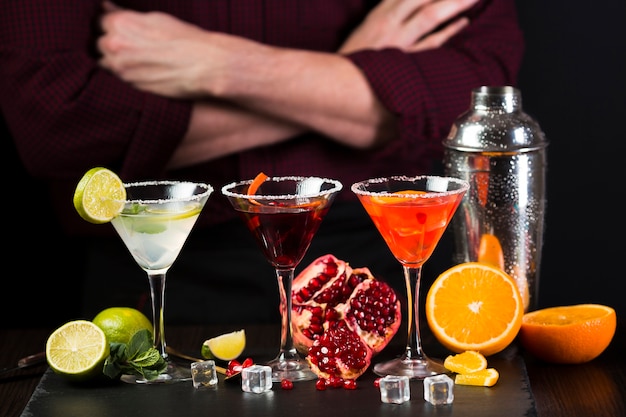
{"points": [[495, 122]]}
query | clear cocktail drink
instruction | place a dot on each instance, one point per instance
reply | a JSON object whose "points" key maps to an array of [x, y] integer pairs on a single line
{"points": [[154, 235]]}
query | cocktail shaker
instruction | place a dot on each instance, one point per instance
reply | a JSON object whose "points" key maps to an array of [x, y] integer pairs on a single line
{"points": [[501, 152]]}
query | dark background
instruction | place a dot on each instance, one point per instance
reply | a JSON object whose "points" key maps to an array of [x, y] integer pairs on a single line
{"points": [[573, 82]]}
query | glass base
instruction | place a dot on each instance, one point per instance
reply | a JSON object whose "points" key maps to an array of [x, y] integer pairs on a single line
{"points": [[292, 369], [419, 368], [173, 373]]}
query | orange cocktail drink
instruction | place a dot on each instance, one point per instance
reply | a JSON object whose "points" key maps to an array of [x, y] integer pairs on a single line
{"points": [[411, 222]]}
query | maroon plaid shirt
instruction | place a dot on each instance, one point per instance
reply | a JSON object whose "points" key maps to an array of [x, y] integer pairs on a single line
{"points": [[67, 115]]}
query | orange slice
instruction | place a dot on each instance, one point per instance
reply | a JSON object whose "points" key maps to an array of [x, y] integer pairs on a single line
{"points": [[466, 362], [485, 378], [568, 334], [474, 306]]}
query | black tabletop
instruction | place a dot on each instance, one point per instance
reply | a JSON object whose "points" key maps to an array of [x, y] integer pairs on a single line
{"points": [[527, 387]]}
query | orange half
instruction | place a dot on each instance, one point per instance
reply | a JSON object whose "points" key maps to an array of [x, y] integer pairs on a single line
{"points": [[490, 251], [568, 334], [474, 306]]}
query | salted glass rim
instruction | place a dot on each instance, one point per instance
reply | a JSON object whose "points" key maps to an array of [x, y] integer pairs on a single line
{"points": [[208, 189], [464, 186], [337, 186]]}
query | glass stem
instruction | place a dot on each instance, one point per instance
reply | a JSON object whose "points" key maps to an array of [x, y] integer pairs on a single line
{"points": [[412, 277], [157, 292], [285, 280]]}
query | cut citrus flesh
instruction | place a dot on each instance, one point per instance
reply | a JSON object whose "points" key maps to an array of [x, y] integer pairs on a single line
{"points": [[466, 362], [178, 214], [485, 378], [490, 251], [225, 347], [474, 306], [99, 195], [77, 350], [119, 324], [568, 334], [396, 200]]}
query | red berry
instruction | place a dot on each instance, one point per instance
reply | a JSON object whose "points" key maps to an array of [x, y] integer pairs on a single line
{"points": [[286, 384], [320, 384]]}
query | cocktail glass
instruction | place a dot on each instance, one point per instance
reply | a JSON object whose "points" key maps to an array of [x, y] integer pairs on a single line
{"points": [[283, 215], [154, 225], [411, 214]]}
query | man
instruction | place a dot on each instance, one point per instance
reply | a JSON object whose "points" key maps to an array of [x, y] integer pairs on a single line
{"points": [[221, 90]]}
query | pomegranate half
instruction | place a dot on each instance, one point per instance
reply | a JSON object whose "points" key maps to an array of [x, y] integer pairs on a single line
{"points": [[333, 302]]}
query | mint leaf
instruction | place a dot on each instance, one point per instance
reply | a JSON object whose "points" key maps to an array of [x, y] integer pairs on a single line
{"points": [[138, 357]]}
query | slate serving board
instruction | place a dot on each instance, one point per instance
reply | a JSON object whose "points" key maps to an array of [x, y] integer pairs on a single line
{"points": [[54, 397]]}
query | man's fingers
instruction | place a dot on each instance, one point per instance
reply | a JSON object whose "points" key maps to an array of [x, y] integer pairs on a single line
{"points": [[440, 37]]}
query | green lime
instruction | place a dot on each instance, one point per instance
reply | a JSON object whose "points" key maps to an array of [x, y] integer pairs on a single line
{"points": [[119, 324], [225, 347], [77, 350], [99, 196]]}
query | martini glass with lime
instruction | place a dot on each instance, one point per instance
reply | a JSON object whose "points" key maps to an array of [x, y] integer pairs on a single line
{"points": [[154, 224], [154, 219]]}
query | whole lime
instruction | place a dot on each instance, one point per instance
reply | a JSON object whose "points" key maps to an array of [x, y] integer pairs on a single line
{"points": [[119, 324]]}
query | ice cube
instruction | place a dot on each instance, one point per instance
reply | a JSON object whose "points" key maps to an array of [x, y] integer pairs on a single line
{"points": [[256, 378], [439, 389], [203, 374], [395, 389]]}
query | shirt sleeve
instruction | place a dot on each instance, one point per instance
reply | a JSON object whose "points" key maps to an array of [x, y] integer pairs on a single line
{"points": [[59, 103], [427, 90]]}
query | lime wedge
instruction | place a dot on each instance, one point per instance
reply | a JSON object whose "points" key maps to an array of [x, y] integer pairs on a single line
{"points": [[77, 350], [226, 347], [99, 196]]}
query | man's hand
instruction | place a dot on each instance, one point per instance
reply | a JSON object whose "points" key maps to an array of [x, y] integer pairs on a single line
{"points": [[408, 25], [159, 53]]}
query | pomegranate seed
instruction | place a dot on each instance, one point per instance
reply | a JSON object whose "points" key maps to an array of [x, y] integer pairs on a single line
{"points": [[316, 328], [247, 362], [377, 382], [286, 384], [233, 367], [334, 381], [315, 284], [349, 384], [331, 269], [320, 384]]}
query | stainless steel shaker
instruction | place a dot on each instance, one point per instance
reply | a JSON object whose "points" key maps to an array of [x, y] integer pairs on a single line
{"points": [[501, 152]]}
